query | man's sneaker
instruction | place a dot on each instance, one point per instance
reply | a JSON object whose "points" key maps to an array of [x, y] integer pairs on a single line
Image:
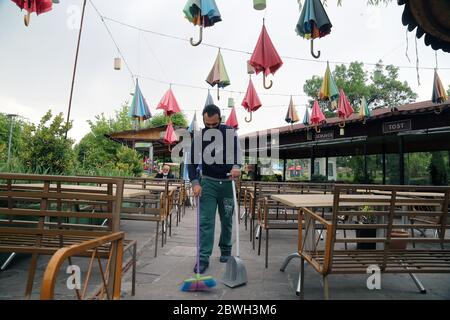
{"points": [[203, 267], [224, 257]]}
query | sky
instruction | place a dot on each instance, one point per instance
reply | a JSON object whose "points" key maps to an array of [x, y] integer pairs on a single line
{"points": [[36, 63]]}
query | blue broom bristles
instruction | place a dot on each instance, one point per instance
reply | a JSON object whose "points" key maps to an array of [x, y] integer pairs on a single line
{"points": [[198, 283]]}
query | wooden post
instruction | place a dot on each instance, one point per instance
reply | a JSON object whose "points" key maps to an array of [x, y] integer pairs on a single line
{"points": [[284, 169], [326, 164], [366, 177], [311, 169], [384, 163]]}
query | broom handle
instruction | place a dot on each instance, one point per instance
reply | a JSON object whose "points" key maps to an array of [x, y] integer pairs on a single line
{"points": [[198, 235], [236, 218]]}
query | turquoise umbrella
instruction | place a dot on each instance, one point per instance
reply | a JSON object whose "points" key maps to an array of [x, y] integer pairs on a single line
{"points": [[139, 108], [203, 13]]}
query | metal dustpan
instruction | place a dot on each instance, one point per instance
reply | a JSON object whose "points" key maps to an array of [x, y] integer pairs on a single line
{"points": [[235, 272]]}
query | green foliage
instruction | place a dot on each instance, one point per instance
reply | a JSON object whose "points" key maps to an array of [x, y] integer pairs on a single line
{"points": [[438, 169], [178, 120], [17, 131], [98, 155], [45, 148], [383, 90], [318, 178]]}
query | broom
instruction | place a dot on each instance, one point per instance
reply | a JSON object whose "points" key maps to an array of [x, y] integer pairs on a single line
{"points": [[198, 283]]}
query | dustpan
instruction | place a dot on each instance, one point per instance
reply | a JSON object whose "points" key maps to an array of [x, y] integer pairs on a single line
{"points": [[235, 272]]}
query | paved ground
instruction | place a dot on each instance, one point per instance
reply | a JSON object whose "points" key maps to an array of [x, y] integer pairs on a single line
{"points": [[161, 277]]}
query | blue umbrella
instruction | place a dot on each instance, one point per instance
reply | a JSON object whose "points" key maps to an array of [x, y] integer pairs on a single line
{"points": [[203, 13], [209, 99], [306, 118], [139, 107]]}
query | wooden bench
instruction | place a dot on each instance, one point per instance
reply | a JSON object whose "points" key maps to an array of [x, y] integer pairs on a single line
{"points": [[41, 214], [391, 254]]}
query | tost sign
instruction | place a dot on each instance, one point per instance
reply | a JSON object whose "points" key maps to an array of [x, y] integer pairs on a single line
{"points": [[397, 126], [324, 135]]}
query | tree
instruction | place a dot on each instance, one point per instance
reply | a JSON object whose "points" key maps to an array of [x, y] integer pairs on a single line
{"points": [[45, 148], [437, 169], [5, 126], [178, 120], [98, 155], [383, 90]]}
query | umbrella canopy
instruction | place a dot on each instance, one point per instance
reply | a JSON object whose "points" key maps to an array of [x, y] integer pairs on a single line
{"points": [[345, 110], [265, 57], [193, 127], [209, 99], [317, 117], [439, 94], [291, 115], [364, 111], [139, 107], [218, 74], [313, 23], [170, 137], [169, 104], [329, 90], [38, 6], [251, 100], [232, 120], [203, 13], [306, 118]]}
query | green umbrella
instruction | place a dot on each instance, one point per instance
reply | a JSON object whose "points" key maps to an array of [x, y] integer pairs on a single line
{"points": [[218, 74]]}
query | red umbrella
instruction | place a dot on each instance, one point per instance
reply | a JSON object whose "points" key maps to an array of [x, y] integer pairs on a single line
{"points": [[232, 120], [251, 100], [169, 104], [317, 117], [345, 110], [38, 6], [298, 168], [265, 57], [170, 137]]}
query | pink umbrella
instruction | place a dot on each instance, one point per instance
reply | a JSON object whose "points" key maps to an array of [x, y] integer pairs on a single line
{"points": [[317, 117], [38, 6], [265, 57], [345, 110], [169, 104], [232, 120], [170, 137], [251, 100]]}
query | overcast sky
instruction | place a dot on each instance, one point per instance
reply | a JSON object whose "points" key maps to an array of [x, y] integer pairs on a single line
{"points": [[36, 62]]}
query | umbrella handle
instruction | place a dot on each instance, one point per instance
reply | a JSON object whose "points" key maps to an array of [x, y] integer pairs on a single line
{"points": [[312, 50], [317, 129], [264, 82], [26, 19], [437, 110], [251, 117], [218, 97], [341, 124], [194, 44]]}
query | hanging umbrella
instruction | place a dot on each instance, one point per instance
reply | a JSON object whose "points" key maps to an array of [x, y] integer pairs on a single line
{"points": [[317, 117], [193, 127], [38, 6], [265, 57], [251, 100], [203, 13], [439, 94], [169, 104], [345, 110], [232, 120], [329, 90], [209, 99], [139, 107], [306, 118], [218, 75], [170, 137], [291, 115], [313, 23], [364, 111]]}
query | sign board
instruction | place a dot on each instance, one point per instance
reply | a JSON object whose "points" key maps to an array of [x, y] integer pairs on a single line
{"points": [[143, 144], [324, 135], [397, 126]]}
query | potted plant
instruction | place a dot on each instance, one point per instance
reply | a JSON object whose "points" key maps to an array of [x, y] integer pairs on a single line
{"points": [[366, 218]]}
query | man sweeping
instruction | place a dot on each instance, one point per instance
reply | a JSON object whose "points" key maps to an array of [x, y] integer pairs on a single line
{"points": [[216, 148]]}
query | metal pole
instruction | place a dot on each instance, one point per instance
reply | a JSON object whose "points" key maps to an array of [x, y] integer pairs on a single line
{"points": [[284, 169], [75, 67], [11, 116], [401, 161]]}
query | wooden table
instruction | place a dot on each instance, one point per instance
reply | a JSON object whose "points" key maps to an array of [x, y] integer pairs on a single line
{"points": [[413, 194]]}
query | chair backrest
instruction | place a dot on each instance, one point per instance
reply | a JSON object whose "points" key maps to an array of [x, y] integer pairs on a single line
{"points": [[47, 206]]}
